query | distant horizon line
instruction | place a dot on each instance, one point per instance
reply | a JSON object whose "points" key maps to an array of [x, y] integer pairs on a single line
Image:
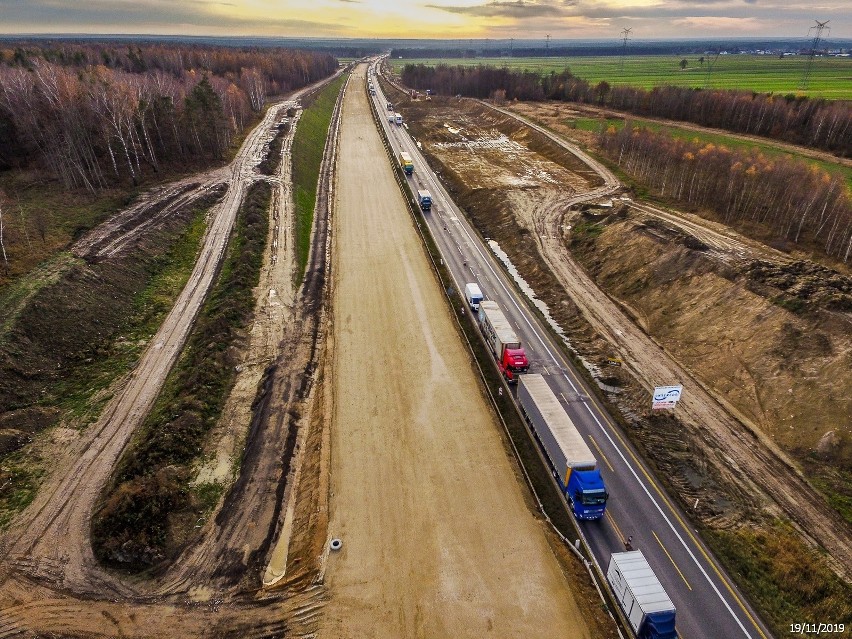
{"points": [[552, 41]]}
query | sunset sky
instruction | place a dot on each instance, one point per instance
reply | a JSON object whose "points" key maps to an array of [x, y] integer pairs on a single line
{"points": [[429, 18]]}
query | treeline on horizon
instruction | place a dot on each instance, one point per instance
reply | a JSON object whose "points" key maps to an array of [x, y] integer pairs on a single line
{"points": [[794, 200], [816, 123], [95, 114]]}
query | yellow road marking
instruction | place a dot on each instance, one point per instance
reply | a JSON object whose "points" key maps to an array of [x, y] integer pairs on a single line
{"points": [[598, 448], [615, 525], [677, 516], [671, 560]]}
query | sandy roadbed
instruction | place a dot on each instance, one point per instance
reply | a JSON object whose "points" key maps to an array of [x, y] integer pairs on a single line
{"points": [[437, 538]]}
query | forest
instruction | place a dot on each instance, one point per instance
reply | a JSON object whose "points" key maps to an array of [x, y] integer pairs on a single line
{"points": [[795, 201], [816, 123], [97, 114]]}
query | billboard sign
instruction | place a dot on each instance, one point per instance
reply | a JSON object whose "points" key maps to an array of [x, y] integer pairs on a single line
{"points": [[666, 396]]}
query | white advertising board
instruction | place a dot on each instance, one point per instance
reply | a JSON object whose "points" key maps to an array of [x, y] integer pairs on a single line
{"points": [[666, 396]]}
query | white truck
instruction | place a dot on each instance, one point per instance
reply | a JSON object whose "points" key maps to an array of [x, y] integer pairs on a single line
{"points": [[640, 594], [398, 118], [473, 295]]}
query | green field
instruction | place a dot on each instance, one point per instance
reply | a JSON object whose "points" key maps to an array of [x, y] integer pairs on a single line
{"points": [[829, 78]]}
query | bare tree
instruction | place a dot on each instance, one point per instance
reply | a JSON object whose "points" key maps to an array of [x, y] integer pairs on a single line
{"points": [[2, 244]]}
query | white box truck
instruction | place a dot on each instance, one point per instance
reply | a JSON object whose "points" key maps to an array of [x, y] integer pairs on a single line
{"points": [[473, 295], [640, 594]]}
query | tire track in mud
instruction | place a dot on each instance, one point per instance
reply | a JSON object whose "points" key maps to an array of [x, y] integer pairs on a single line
{"points": [[49, 543]]}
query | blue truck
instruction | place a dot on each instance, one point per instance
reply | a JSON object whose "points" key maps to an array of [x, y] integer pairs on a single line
{"points": [[642, 598], [571, 460], [424, 199]]}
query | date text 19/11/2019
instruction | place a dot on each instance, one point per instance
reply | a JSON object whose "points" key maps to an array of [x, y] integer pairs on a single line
{"points": [[816, 628]]}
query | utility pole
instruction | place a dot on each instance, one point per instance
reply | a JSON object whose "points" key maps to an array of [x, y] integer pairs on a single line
{"points": [[625, 36], [511, 47], [547, 43], [818, 28]]}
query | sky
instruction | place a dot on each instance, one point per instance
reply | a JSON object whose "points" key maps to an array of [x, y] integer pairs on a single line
{"points": [[648, 19]]}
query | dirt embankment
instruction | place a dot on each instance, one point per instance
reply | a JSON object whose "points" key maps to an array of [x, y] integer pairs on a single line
{"points": [[704, 461], [49, 581]]}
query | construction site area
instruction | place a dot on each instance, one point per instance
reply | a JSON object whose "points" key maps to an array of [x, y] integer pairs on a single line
{"points": [[357, 478]]}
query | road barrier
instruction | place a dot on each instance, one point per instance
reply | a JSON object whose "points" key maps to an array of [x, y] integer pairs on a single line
{"points": [[594, 570]]}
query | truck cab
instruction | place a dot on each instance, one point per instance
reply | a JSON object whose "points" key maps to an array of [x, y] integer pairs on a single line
{"points": [[586, 492], [398, 119], [473, 295], [513, 363], [424, 199]]}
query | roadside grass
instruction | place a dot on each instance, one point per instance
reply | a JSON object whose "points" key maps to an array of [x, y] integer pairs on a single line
{"points": [[308, 147], [20, 477], [41, 218], [142, 512], [761, 73], [834, 483], [79, 396], [270, 164], [788, 581]]}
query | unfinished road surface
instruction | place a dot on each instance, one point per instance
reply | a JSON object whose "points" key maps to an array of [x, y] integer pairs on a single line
{"points": [[438, 540]]}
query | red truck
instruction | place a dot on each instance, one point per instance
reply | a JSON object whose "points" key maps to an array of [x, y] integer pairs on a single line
{"points": [[501, 339]]}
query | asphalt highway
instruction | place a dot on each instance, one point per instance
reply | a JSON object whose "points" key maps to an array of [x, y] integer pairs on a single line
{"points": [[709, 605]]}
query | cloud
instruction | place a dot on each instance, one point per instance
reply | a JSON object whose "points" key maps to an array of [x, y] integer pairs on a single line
{"points": [[712, 23], [512, 9], [151, 16]]}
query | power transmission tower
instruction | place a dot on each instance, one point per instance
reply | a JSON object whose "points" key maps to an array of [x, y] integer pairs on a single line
{"points": [[818, 28], [711, 60], [625, 36], [511, 47], [547, 44]]}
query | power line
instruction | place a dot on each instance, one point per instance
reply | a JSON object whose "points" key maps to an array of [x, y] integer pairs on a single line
{"points": [[818, 28], [710, 62], [625, 35]]}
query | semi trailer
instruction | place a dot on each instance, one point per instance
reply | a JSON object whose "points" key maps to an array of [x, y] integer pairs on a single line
{"points": [[501, 339], [571, 460], [642, 598]]}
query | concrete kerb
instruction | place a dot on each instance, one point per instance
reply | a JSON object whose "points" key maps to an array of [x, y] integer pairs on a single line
{"points": [[595, 574]]}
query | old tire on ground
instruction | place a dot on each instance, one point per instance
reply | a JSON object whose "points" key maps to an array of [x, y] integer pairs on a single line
{"points": [[335, 544]]}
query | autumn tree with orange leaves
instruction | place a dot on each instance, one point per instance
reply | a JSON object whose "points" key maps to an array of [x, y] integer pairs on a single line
{"points": [[792, 199]]}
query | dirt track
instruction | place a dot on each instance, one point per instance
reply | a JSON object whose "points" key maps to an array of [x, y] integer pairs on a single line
{"points": [[437, 538], [711, 420], [49, 543]]}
